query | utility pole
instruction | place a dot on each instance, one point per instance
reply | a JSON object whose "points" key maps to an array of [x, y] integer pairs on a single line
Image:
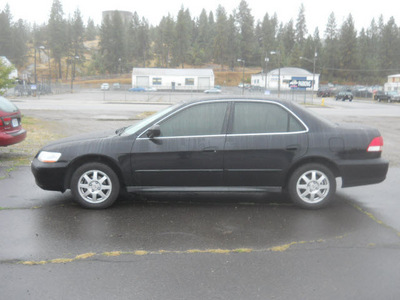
{"points": [[243, 62]]}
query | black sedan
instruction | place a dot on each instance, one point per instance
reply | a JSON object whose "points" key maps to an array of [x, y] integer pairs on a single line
{"points": [[228, 145]]}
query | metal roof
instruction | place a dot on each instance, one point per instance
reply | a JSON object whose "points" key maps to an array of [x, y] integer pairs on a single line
{"points": [[171, 72], [291, 72]]}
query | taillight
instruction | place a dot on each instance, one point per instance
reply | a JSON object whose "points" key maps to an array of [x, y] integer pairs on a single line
{"points": [[376, 145], [7, 121], [1, 122]]}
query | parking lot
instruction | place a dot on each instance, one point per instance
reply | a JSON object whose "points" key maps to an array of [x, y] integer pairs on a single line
{"points": [[197, 246]]}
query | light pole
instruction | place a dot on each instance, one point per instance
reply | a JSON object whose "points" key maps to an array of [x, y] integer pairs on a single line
{"points": [[35, 77], [313, 76], [73, 73], [48, 59], [35, 48], [266, 74], [279, 70], [243, 62]]}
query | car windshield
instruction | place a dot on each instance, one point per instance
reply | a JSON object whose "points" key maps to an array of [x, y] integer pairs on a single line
{"points": [[7, 106], [135, 128]]}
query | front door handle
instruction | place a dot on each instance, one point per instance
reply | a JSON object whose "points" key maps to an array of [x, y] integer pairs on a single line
{"points": [[210, 149]]}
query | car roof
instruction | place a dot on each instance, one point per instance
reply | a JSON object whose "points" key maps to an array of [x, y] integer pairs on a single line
{"points": [[312, 120]]}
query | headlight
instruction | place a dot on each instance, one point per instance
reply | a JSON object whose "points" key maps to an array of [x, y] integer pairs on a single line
{"points": [[49, 157]]}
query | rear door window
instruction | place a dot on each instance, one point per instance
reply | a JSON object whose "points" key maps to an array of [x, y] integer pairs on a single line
{"points": [[259, 118]]}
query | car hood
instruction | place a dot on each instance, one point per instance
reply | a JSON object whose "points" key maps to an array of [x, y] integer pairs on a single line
{"points": [[79, 140]]}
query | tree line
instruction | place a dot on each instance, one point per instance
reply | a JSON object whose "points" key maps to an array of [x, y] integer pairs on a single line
{"points": [[340, 53]]}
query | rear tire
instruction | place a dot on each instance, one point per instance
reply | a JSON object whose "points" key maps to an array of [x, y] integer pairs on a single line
{"points": [[312, 186], [95, 185]]}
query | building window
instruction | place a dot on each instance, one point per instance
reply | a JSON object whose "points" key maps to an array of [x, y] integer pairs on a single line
{"points": [[157, 81], [189, 81]]}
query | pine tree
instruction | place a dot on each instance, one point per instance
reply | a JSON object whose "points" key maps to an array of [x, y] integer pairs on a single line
{"points": [[348, 49], [183, 37], [91, 30], [6, 32], [245, 22], [57, 33], [301, 27], [389, 52], [221, 39], [330, 55]]}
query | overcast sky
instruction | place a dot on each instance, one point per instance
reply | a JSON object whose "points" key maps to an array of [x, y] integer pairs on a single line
{"points": [[316, 11]]}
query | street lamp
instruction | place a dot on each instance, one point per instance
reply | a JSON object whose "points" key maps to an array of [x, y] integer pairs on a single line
{"points": [[48, 59], [35, 64], [73, 72], [35, 77], [313, 79], [243, 62], [279, 70], [266, 74]]}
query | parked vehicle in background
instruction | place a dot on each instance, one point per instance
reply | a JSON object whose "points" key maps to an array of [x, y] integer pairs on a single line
{"points": [[11, 131], [216, 145], [380, 95], [325, 93], [137, 89], [150, 89], [116, 86], [246, 85], [394, 96], [344, 96], [213, 91], [105, 87]]}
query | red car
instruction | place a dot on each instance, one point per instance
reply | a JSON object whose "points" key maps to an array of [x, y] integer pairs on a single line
{"points": [[11, 131]]}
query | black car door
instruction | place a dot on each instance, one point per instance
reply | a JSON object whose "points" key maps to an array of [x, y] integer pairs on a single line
{"points": [[189, 150], [263, 139]]}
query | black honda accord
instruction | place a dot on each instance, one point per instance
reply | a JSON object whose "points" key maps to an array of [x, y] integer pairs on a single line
{"points": [[223, 145]]}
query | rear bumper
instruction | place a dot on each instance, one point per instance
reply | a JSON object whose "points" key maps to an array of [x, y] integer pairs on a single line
{"points": [[363, 172], [10, 138]]}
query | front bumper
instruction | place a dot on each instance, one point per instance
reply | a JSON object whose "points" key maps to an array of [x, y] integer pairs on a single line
{"points": [[363, 172], [49, 176]]}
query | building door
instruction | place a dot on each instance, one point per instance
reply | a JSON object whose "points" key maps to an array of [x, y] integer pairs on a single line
{"points": [[142, 81], [204, 83]]}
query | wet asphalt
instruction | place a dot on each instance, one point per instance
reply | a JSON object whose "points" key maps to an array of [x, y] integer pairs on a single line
{"points": [[198, 246]]}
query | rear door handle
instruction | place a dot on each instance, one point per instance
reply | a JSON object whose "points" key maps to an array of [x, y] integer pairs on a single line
{"points": [[292, 148]]}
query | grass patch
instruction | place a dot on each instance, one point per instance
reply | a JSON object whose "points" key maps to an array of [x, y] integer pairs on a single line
{"points": [[38, 134]]}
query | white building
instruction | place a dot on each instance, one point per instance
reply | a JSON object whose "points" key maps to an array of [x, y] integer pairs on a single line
{"points": [[173, 79], [290, 78], [393, 83], [6, 62]]}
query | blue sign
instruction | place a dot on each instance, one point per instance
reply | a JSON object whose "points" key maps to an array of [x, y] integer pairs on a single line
{"points": [[300, 83]]}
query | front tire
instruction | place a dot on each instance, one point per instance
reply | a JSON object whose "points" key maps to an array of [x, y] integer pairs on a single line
{"points": [[312, 186], [95, 185]]}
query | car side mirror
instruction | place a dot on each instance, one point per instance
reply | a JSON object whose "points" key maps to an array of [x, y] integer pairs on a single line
{"points": [[154, 131]]}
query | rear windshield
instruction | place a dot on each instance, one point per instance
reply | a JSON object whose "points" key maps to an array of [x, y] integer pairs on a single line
{"points": [[7, 106]]}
